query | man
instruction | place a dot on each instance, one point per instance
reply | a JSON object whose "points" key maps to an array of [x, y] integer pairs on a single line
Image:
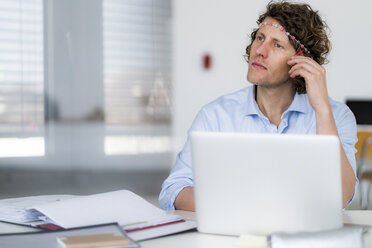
{"points": [[289, 95]]}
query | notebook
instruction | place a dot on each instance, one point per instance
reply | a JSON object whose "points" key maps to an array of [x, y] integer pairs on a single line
{"points": [[105, 240], [265, 183], [59, 239]]}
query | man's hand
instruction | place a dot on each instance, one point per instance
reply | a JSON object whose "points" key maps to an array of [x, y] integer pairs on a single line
{"points": [[315, 79]]}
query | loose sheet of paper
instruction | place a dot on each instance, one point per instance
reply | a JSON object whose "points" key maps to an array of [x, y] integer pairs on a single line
{"points": [[121, 206]]}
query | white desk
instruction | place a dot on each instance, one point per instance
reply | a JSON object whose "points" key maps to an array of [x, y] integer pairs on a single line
{"points": [[200, 240], [193, 239]]}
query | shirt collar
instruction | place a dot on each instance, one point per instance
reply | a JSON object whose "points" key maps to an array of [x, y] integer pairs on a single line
{"points": [[299, 103], [251, 105]]}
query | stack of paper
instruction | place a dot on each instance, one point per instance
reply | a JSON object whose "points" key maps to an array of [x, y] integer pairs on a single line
{"points": [[16, 210], [131, 211]]}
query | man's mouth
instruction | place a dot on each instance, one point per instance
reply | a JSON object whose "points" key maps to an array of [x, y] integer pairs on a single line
{"points": [[258, 66]]}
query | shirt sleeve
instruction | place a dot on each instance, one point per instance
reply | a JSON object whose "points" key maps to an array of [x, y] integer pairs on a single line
{"points": [[181, 174], [347, 131]]}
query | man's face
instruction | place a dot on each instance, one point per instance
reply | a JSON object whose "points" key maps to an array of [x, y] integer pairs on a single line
{"points": [[268, 58]]}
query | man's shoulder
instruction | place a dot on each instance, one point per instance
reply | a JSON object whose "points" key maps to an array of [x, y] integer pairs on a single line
{"points": [[340, 109], [236, 98], [337, 106]]}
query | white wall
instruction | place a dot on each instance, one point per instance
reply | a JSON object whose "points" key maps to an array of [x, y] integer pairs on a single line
{"points": [[222, 28]]}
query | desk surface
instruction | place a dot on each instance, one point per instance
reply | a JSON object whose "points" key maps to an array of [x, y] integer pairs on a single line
{"points": [[199, 240]]}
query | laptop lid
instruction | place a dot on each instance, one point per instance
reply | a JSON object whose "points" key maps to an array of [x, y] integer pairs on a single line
{"points": [[265, 183]]}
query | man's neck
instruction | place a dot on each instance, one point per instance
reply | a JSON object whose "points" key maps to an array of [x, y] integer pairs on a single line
{"points": [[274, 101]]}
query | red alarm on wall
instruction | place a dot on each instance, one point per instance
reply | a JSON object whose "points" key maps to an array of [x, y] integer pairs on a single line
{"points": [[207, 61]]}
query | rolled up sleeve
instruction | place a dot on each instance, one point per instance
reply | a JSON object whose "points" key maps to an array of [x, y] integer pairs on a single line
{"points": [[181, 175]]}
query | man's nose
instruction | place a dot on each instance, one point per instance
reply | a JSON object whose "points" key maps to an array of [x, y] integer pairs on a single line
{"points": [[262, 50]]}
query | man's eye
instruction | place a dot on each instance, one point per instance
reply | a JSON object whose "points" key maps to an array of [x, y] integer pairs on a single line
{"points": [[259, 38], [277, 45]]}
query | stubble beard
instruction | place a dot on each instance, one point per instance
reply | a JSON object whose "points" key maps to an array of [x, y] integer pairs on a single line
{"points": [[269, 85]]}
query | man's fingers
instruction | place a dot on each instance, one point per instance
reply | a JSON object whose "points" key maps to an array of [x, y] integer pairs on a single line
{"points": [[301, 59], [306, 67], [300, 72]]}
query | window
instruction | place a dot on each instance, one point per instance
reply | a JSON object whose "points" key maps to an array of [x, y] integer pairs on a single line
{"points": [[21, 78], [108, 86], [137, 51], [137, 71]]}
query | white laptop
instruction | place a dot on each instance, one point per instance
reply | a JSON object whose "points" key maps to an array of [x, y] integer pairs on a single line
{"points": [[265, 183]]}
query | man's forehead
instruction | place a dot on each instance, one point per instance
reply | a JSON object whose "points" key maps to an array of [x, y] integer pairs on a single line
{"points": [[273, 33], [270, 27]]}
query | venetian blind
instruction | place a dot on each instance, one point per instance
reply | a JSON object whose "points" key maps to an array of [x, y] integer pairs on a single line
{"points": [[137, 61], [21, 68]]}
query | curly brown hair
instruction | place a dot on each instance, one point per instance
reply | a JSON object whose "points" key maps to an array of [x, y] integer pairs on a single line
{"points": [[306, 25]]}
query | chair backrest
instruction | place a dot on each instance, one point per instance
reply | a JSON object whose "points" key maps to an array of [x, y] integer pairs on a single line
{"points": [[362, 112], [362, 137], [364, 150]]}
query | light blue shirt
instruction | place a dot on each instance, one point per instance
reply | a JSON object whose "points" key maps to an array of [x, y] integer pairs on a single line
{"points": [[239, 112]]}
